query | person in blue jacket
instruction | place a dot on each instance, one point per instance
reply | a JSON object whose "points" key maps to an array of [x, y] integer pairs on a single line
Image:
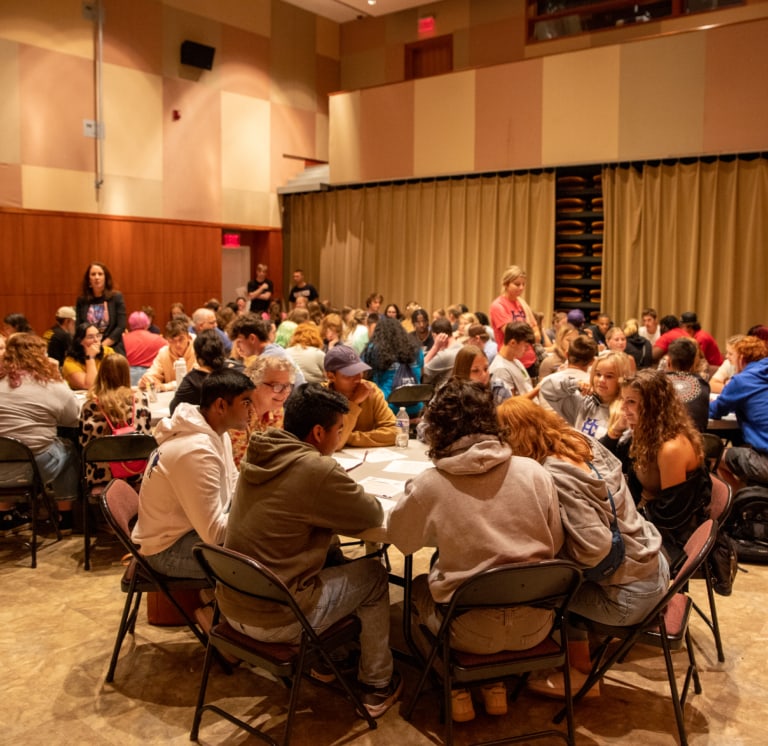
{"points": [[746, 394]]}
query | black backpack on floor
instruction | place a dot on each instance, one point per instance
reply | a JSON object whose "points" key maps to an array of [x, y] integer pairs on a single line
{"points": [[748, 524]]}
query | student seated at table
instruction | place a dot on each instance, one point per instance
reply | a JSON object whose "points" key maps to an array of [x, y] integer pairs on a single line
{"points": [[370, 421], [179, 345], [110, 404], [84, 357], [291, 499], [187, 487], [481, 507], [747, 396], [209, 358], [585, 475]]}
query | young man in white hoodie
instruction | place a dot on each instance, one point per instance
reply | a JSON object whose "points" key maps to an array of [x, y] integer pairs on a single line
{"points": [[188, 485]]}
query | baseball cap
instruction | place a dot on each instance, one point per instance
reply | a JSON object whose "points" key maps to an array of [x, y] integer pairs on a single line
{"points": [[66, 312], [689, 317], [344, 360]]}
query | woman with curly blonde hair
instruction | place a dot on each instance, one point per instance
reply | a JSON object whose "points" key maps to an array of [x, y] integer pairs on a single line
{"points": [[305, 348], [664, 456], [34, 402]]}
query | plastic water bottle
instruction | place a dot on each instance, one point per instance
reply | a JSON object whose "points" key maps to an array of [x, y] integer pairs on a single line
{"points": [[180, 370], [403, 425]]}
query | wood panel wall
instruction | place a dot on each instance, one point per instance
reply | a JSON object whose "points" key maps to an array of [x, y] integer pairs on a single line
{"points": [[44, 255]]}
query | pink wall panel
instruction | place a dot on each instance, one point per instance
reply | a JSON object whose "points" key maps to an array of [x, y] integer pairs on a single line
{"points": [[243, 63], [387, 129], [192, 151], [495, 43], [133, 34], [735, 101], [56, 93], [509, 116]]}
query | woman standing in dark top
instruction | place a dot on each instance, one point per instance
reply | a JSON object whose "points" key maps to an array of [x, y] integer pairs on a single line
{"points": [[102, 306]]}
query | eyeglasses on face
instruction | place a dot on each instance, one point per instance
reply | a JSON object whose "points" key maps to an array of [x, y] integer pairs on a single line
{"points": [[278, 388], [93, 337]]}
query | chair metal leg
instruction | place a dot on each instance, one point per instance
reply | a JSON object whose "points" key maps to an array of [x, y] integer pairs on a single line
{"points": [[673, 684], [711, 621], [86, 533], [127, 620]]}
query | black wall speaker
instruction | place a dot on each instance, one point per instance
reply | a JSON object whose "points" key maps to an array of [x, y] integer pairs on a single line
{"points": [[197, 55]]}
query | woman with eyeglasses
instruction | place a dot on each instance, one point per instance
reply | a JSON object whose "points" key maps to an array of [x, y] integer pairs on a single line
{"points": [[274, 378], [84, 357]]}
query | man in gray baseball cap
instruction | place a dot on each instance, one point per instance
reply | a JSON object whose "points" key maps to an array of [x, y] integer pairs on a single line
{"points": [[370, 421]]}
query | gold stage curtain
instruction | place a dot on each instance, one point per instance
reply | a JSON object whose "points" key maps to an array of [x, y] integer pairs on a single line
{"points": [[688, 237], [436, 242]]}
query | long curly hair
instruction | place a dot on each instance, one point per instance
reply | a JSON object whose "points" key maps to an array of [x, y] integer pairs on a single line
{"points": [[459, 408], [538, 433], [27, 355], [390, 344], [112, 389], [661, 417]]}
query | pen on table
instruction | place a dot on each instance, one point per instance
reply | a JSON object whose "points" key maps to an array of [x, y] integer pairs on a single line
{"points": [[359, 463]]}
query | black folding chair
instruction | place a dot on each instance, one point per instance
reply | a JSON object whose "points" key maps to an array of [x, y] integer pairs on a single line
{"points": [[666, 626], [20, 482], [550, 585], [287, 662], [120, 505], [103, 450]]}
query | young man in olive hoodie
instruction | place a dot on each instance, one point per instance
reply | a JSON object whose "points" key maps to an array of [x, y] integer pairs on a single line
{"points": [[291, 500]]}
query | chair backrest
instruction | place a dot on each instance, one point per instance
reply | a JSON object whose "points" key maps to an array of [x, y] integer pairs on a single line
{"points": [[713, 449], [119, 448], [548, 584], [721, 500], [13, 451], [411, 393], [120, 505]]}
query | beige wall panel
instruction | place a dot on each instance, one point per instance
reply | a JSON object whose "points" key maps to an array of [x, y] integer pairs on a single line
{"points": [[292, 133], [490, 11], [58, 189], [344, 138], [363, 35], [253, 15], [126, 195], [736, 104], [363, 69], [401, 28], [133, 34], [292, 57], [243, 63], [321, 137], [444, 139], [191, 152], [56, 94], [56, 25], [245, 132], [387, 132], [328, 38], [461, 49], [179, 27], [241, 207], [662, 97], [395, 63], [10, 111], [133, 121], [495, 43], [328, 81], [10, 185], [581, 107], [509, 116]]}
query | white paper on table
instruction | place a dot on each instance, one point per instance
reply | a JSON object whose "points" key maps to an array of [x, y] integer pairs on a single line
{"points": [[408, 467], [347, 463], [378, 455], [382, 487]]}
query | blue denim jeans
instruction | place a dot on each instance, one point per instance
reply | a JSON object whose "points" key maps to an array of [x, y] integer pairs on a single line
{"points": [[178, 561], [360, 588], [621, 605], [59, 464]]}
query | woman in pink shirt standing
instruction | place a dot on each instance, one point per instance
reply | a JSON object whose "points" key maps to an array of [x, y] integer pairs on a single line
{"points": [[510, 306]]}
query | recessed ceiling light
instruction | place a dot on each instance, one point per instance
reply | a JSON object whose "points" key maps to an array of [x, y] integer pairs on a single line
{"points": [[371, 2]]}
